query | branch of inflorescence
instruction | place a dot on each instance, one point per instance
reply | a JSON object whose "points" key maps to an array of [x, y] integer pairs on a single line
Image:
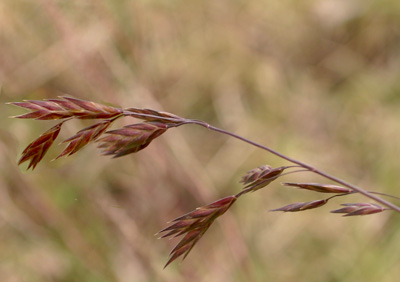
{"points": [[137, 136], [294, 161], [302, 164]]}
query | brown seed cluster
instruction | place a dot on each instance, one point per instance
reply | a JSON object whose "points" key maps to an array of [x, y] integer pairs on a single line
{"points": [[359, 209], [129, 139], [194, 224], [322, 188], [295, 207], [260, 177], [66, 107], [36, 150]]}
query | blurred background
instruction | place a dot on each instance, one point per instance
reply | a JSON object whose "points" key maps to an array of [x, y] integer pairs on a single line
{"points": [[317, 80]]}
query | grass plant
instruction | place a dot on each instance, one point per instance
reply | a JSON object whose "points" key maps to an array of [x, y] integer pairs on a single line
{"points": [[137, 136]]}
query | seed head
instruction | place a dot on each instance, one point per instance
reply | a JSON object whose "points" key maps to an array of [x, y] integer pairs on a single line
{"points": [[36, 150], [295, 207], [322, 188], [261, 176], [359, 209], [194, 224], [154, 116], [66, 107], [131, 138], [84, 137]]}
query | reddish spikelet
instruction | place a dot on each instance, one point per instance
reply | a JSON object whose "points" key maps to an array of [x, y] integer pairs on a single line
{"points": [[359, 209], [152, 115], [256, 173], [261, 176], [131, 138], [295, 207], [84, 137], [66, 107], [322, 188], [194, 224], [36, 150]]}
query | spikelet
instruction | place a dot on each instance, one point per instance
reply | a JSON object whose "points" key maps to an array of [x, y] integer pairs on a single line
{"points": [[322, 188], [302, 206], [154, 116], [66, 107], [260, 177], [131, 138], [194, 224], [84, 137], [36, 150], [359, 209]]}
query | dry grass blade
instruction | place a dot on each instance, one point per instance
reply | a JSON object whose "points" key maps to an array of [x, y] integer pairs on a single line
{"points": [[302, 206], [322, 188], [36, 150], [261, 176], [131, 138], [194, 224], [359, 209], [84, 137], [66, 107]]}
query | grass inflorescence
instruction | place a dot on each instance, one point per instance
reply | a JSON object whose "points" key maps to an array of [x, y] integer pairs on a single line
{"points": [[137, 136]]}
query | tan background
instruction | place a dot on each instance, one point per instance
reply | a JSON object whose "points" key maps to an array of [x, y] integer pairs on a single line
{"points": [[317, 80]]}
